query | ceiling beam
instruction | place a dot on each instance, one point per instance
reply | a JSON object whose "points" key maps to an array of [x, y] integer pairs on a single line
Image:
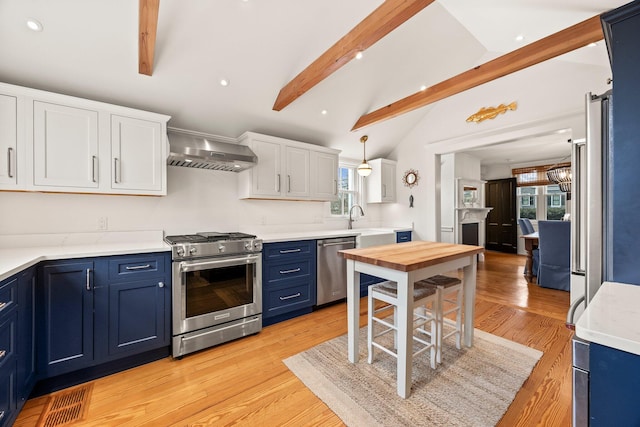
{"points": [[574, 37], [386, 18], [147, 28]]}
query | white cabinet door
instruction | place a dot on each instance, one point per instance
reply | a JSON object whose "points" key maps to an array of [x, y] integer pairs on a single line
{"points": [[297, 172], [266, 176], [65, 146], [8, 141], [324, 176], [136, 155], [388, 182]]}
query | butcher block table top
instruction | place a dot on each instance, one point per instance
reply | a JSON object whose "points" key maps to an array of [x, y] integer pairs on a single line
{"points": [[411, 256]]}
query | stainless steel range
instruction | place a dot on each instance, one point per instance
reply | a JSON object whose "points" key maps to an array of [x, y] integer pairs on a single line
{"points": [[217, 289]]}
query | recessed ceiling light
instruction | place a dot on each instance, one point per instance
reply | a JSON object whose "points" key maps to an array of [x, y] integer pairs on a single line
{"points": [[359, 55], [592, 45], [224, 82], [519, 38], [423, 88], [34, 24], [323, 112]]}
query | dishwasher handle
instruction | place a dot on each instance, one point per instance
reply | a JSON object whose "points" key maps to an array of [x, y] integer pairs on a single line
{"points": [[339, 241], [324, 245]]}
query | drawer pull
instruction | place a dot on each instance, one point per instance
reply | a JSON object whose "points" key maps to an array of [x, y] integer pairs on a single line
{"points": [[290, 296], [137, 267], [290, 251], [2, 305], [4, 352], [295, 270]]}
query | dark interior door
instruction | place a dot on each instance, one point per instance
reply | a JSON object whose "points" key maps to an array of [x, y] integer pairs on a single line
{"points": [[501, 221]]}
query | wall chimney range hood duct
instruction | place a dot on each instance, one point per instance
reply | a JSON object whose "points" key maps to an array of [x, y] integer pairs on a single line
{"points": [[202, 151]]}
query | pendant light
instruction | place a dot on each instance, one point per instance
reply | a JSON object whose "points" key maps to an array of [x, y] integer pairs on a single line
{"points": [[364, 169]]}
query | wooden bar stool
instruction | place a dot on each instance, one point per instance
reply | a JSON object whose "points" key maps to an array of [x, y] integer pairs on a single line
{"points": [[424, 325], [446, 287]]}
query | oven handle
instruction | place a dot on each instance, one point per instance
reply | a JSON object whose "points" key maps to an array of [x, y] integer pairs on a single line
{"points": [[224, 262]]}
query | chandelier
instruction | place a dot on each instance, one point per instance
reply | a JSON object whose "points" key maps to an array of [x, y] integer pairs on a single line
{"points": [[561, 175]]}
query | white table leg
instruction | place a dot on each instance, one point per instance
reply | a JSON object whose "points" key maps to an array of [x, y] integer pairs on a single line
{"points": [[405, 335], [353, 311], [469, 290]]}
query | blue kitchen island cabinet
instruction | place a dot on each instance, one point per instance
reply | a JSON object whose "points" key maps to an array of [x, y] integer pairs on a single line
{"points": [[403, 236], [95, 311], [288, 280], [613, 383], [65, 318]]}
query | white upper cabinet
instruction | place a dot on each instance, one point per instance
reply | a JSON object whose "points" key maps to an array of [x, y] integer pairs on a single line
{"points": [[287, 170], [8, 141], [58, 143], [381, 184], [296, 172], [324, 176], [137, 155], [65, 146]]}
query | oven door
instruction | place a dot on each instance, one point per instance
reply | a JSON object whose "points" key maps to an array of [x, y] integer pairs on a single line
{"points": [[210, 292]]}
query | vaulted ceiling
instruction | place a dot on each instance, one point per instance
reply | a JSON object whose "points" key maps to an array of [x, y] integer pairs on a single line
{"points": [[89, 48]]}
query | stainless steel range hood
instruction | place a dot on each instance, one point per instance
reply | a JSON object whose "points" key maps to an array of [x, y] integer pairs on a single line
{"points": [[198, 150]]}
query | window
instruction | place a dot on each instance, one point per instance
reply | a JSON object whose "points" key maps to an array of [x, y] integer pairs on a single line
{"points": [[528, 202], [556, 202], [347, 191]]}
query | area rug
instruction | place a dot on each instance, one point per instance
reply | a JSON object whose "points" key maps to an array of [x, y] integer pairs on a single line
{"points": [[472, 387]]}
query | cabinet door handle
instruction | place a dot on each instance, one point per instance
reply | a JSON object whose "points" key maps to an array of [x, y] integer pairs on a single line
{"points": [[288, 183], [88, 279], [290, 296], [137, 267], [290, 251], [384, 190], [161, 284], [94, 168], [116, 170], [2, 305], [335, 186], [10, 162], [294, 270], [278, 183], [2, 353]]}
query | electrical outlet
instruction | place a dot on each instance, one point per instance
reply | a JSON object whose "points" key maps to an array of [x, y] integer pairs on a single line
{"points": [[103, 223]]}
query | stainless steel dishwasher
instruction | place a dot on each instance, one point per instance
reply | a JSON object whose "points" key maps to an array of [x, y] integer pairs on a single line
{"points": [[332, 269]]}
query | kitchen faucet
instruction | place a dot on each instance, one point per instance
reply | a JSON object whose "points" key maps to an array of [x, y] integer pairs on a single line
{"points": [[351, 218]]}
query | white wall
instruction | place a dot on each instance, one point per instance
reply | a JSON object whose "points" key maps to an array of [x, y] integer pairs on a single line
{"points": [[197, 200]]}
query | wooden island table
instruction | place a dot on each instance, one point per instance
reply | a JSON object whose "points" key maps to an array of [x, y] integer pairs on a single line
{"points": [[405, 264]]}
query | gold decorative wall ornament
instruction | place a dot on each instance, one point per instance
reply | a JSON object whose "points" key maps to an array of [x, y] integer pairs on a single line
{"points": [[491, 112]]}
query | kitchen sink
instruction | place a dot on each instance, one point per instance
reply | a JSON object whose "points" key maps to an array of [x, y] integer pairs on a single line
{"points": [[373, 237]]}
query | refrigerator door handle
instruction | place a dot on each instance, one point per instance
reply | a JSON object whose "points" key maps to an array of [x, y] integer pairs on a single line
{"points": [[577, 221], [570, 323]]}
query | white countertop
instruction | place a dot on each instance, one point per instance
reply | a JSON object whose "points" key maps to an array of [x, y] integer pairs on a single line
{"points": [[20, 252], [322, 234], [613, 317]]}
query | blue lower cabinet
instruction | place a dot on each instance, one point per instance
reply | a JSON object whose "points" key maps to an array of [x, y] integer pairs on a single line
{"points": [[403, 236], [26, 375], [367, 280], [8, 395], [613, 387], [65, 325], [288, 280]]}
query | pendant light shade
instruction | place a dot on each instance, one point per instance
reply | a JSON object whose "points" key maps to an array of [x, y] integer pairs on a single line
{"points": [[364, 169]]}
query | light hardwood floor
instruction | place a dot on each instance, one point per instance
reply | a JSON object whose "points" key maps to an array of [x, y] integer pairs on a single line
{"points": [[245, 382]]}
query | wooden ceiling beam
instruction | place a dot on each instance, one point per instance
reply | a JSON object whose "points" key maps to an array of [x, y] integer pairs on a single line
{"points": [[147, 28], [574, 37], [387, 17]]}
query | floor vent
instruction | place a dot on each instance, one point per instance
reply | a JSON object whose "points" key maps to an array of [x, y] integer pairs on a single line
{"points": [[66, 407]]}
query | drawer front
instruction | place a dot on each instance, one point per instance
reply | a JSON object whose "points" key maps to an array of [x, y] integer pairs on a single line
{"points": [[136, 267], [8, 397], [8, 338], [283, 250], [285, 299], [287, 270], [8, 295], [403, 236]]}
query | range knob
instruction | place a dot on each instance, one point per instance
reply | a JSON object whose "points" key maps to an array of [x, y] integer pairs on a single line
{"points": [[248, 246], [193, 250], [222, 248], [180, 251]]}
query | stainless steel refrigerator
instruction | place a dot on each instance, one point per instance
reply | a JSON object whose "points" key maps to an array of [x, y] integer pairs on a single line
{"points": [[589, 242], [590, 180]]}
